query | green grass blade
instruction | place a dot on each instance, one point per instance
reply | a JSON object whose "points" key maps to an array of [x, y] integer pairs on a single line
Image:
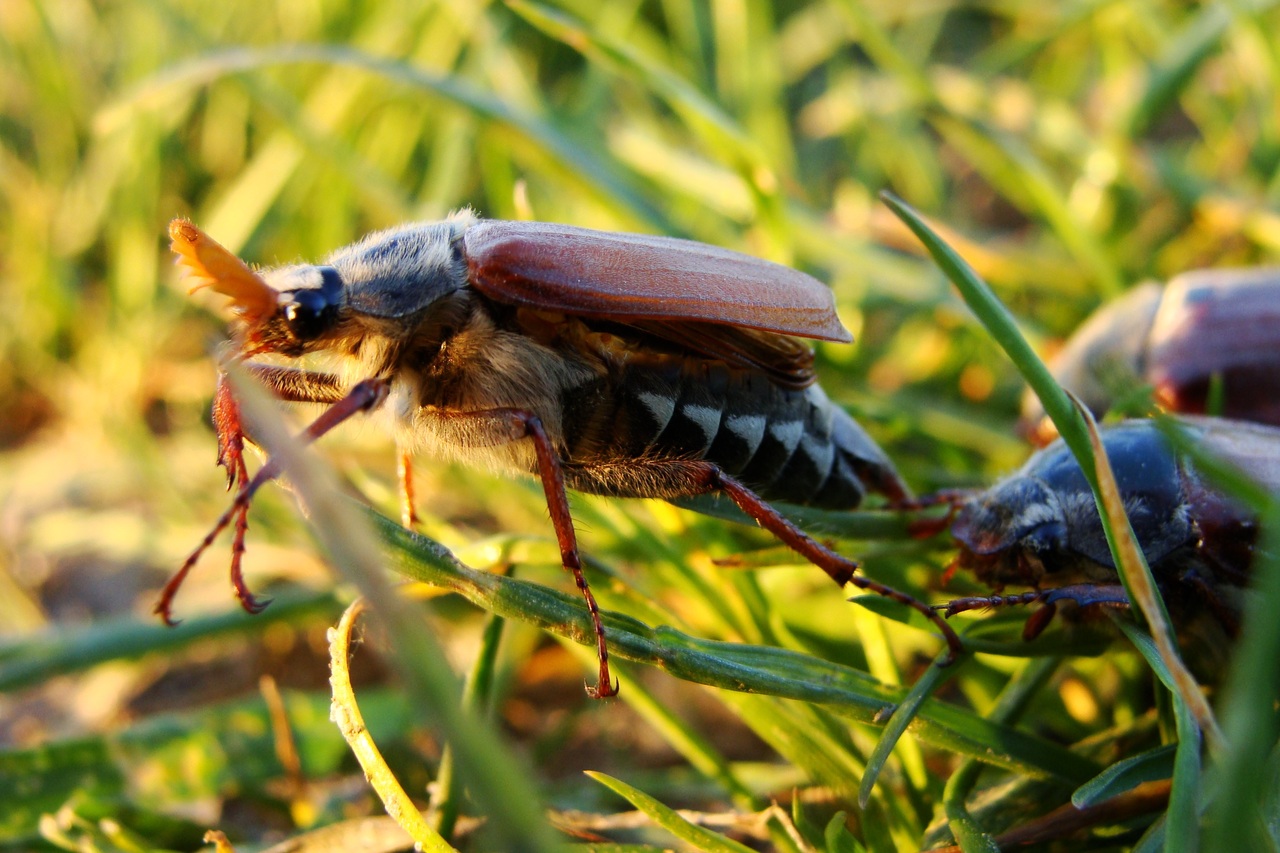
{"points": [[669, 819], [1245, 769], [1009, 164], [1200, 38], [1002, 327], [41, 656], [1125, 774], [926, 685], [578, 160], [731, 666], [1141, 588]]}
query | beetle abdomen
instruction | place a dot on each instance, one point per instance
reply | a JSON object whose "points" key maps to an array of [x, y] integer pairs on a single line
{"points": [[790, 445]]}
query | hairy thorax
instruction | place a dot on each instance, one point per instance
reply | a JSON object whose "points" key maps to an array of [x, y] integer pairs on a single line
{"points": [[446, 385]]}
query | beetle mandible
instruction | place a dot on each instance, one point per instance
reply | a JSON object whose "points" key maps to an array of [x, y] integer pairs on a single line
{"points": [[615, 364], [1040, 527], [1205, 326]]}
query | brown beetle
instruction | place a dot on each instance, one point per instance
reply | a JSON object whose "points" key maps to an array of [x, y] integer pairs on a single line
{"points": [[1040, 527], [615, 364], [1205, 327]]}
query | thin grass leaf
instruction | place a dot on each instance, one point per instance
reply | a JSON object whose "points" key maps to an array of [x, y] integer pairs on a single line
{"points": [[346, 714], [837, 837], [1182, 818], [999, 323], [669, 819], [477, 695], [809, 738], [684, 739], [926, 685], [1200, 38], [581, 162], [700, 114], [170, 761], [1010, 165], [39, 657], [1248, 705], [876, 40], [1183, 809], [1126, 774], [1013, 701], [1140, 586], [969, 835]]}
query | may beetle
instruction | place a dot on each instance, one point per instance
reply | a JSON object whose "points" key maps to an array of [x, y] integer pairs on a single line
{"points": [[616, 364], [1040, 527], [1216, 327]]}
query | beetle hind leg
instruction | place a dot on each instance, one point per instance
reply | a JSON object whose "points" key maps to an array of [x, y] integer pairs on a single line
{"points": [[840, 569], [682, 478]]}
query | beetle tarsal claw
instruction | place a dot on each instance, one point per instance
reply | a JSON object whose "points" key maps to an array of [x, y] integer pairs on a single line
{"points": [[605, 690]]}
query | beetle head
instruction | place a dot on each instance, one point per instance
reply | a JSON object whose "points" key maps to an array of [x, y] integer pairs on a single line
{"points": [[1008, 533], [285, 310]]}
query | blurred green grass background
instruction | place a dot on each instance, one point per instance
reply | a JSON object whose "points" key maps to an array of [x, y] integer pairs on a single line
{"points": [[1071, 150]]}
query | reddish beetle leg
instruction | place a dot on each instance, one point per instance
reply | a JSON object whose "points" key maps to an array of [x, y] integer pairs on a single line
{"points": [[362, 397], [840, 569], [1082, 594]]}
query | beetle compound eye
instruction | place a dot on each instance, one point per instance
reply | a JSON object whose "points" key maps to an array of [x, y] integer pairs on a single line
{"points": [[308, 314]]}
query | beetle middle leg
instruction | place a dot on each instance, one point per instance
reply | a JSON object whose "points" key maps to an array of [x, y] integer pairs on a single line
{"points": [[404, 473], [498, 426]]}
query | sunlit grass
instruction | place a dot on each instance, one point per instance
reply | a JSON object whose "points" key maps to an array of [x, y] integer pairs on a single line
{"points": [[1067, 151]]}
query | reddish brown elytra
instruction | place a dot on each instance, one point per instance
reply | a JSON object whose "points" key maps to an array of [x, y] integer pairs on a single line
{"points": [[616, 364], [1206, 334]]}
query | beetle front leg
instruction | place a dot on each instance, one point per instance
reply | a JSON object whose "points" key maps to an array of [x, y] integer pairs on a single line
{"points": [[287, 383], [229, 428], [231, 437], [1081, 594], [362, 397]]}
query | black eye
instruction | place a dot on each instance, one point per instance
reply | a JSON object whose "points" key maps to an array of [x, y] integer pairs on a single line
{"points": [[310, 312]]}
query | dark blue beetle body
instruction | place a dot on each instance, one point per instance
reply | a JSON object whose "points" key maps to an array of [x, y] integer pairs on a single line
{"points": [[1041, 528]]}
